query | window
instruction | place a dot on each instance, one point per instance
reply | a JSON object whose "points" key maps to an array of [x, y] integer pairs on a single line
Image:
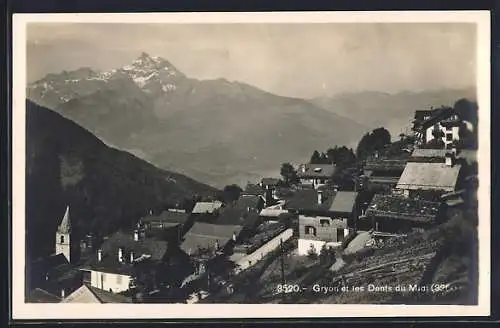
{"points": [[119, 279], [340, 234], [61, 239], [310, 230], [87, 276], [324, 222], [449, 137]]}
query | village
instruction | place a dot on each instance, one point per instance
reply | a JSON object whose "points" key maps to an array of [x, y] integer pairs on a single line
{"points": [[281, 239]]}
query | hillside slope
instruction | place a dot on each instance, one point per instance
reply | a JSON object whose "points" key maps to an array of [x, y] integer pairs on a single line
{"points": [[216, 131], [104, 187]]}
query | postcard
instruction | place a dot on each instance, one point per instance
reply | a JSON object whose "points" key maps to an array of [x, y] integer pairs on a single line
{"points": [[251, 165]]}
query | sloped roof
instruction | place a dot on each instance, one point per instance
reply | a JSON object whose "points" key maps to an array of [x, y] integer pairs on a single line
{"points": [[422, 152], [398, 207], [109, 262], [65, 226], [344, 201], [39, 295], [429, 176], [205, 235], [270, 181], [167, 218], [247, 201], [89, 294], [316, 170], [333, 201], [253, 189], [206, 207]]}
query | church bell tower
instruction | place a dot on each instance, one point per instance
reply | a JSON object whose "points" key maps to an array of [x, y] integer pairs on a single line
{"points": [[63, 236]]}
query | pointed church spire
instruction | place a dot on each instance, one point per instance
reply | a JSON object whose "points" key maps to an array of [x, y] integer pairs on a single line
{"points": [[65, 226]]}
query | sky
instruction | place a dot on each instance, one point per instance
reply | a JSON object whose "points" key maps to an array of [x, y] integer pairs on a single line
{"points": [[296, 60]]}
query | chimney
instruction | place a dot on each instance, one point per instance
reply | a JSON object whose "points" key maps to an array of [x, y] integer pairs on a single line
{"points": [[131, 257], [120, 255], [234, 236], [320, 197], [303, 168], [216, 244], [99, 255], [63, 293], [136, 235]]}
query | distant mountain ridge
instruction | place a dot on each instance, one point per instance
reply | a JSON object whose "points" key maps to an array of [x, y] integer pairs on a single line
{"points": [[105, 188], [392, 111], [216, 131]]}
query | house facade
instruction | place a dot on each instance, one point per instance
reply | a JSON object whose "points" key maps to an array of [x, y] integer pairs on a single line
{"points": [[325, 218], [315, 175], [443, 123]]}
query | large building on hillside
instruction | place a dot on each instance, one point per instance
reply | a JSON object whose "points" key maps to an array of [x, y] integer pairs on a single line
{"points": [[443, 122]]}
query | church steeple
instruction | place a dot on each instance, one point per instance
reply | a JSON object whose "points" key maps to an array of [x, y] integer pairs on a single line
{"points": [[63, 237], [65, 226]]}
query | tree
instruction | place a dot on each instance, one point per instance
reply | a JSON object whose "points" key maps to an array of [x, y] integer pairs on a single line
{"points": [[288, 173], [231, 193], [315, 158], [377, 140]]}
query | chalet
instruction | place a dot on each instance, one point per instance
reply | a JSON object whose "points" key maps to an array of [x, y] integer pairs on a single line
{"points": [[170, 225], [316, 175], [438, 178], [205, 241], [444, 121], [88, 294], [397, 214], [112, 269], [324, 217], [383, 174]]}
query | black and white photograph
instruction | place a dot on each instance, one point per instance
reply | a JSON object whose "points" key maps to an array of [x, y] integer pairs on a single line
{"points": [[311, 163]]}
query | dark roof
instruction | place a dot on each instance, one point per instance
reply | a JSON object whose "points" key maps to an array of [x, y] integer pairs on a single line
{"points": [[270, 181], [398, 207], [385, 165], [56, 267], [167, 218], [144, 246], [316, 171], [333, 201], [253, 189], [438, 115], [39, 295], [205, 235], [245, 202], [422, 152], [421, 113]]}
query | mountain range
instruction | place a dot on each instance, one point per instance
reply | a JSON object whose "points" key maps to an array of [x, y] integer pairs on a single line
{"points": [[216, 131], [105, 188], [392, 111]]}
